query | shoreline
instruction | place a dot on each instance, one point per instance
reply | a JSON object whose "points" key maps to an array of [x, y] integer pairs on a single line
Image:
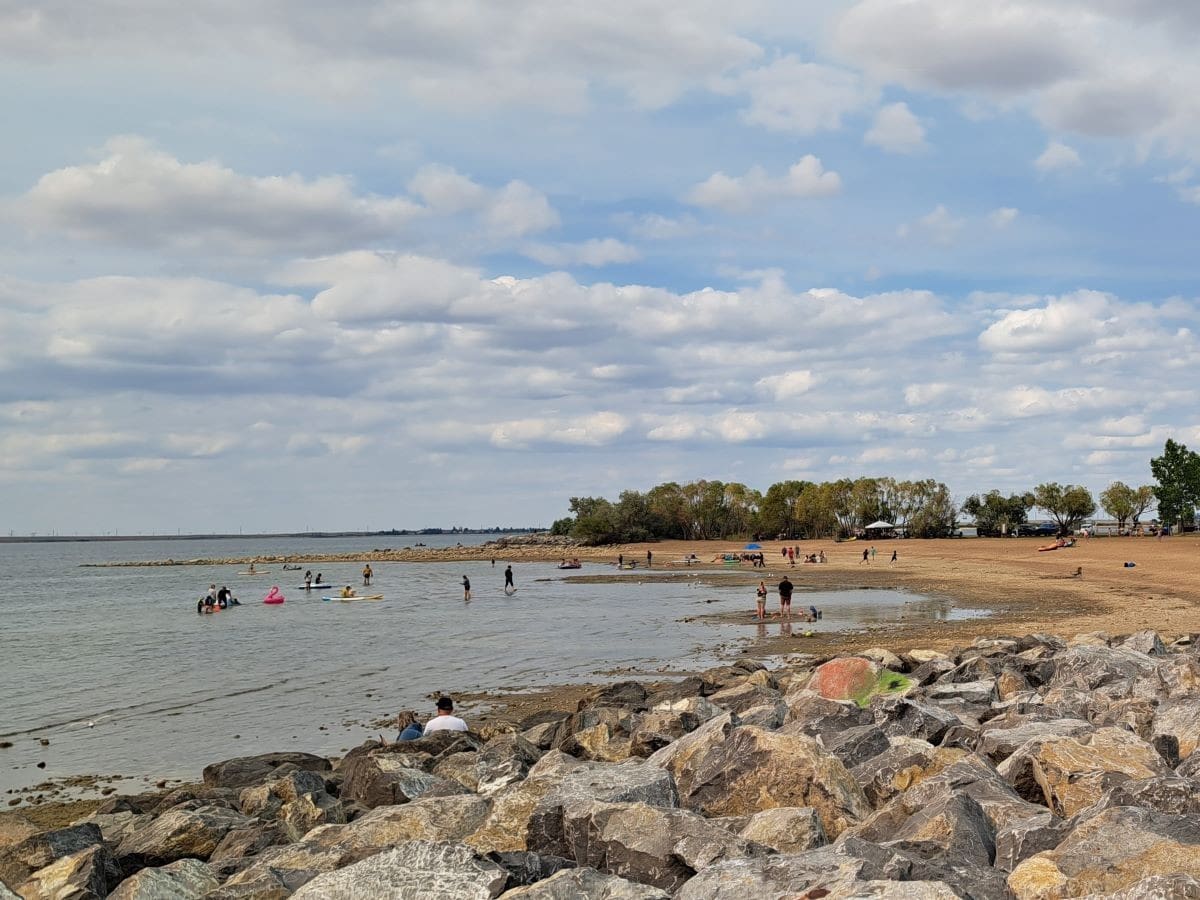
{"points": [[1024, 591]]}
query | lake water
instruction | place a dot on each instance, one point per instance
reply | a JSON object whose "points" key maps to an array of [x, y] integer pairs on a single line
{"points": [[167, 691]]}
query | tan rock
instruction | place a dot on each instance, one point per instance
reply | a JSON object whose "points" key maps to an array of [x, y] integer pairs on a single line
{"points": [[427, 819], [1072, 773], [506, 827], [786, 829]]}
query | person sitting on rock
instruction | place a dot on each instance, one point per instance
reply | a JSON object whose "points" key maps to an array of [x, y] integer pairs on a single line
{"points": [[410, 728], [445, 720]]}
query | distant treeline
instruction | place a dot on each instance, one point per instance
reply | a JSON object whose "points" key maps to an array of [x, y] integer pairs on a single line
{"points": [[807, 510]]}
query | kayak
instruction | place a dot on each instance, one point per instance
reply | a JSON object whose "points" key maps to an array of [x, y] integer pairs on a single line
{"points": [[350, 599], [313, 586]]}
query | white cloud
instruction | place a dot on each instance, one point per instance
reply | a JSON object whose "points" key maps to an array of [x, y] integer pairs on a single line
{"points": [[740, 194], [593, 430], [445, 190], [938, 225], [1062, 324], [1056, 157], [797, 97], [1003, 217], [655, 227], [141, 196], [592, 252], [897, 130], [789, 384], [518, 210]]}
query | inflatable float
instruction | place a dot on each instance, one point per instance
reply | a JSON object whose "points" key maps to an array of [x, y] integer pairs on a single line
{"points": [[273, 597]]}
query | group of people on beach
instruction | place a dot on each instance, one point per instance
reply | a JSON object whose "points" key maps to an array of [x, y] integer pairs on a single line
{"points": [[216, 599], [785, 588], [868, 556]]}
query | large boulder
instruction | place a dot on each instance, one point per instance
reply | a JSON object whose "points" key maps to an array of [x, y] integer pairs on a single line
{"points": [[22, 858], [185, 879], [264, 800], [628, 782], [307, 811], [176, 834], [432, 871], [906, 717], [856, 679], [83, 875], [855, 745], [1069, 774], [999, 739], [814, 715], [906, 762], [1111, 851], [383, 779], [585, 884], [1156, 887], [1175, 731], [744, 696], [786, 829], [652, 845], [244, 842], [831, 871], [752, 769], [954, 826], [430, 819], [287, 867], [1019, 840], [506, 759], [244, 771]]}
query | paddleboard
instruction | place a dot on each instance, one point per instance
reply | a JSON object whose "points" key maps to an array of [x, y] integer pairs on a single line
{"points": [[348, 599], [259, 572], [314, 586]]}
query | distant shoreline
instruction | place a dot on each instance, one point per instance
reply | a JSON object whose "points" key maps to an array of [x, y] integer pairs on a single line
{"points": [[87, 538]]}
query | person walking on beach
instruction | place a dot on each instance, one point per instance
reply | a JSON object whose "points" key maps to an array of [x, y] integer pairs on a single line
{"points": [[760, 599], [872, 553], [893, 562], [620, 560], [509, 587], [367, 573], [785, 598], [445, 720], [466, 588], [649, 559], [866, 553]]}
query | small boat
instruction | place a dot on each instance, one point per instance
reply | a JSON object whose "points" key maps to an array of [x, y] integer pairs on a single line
{"points": [[571, 566], [288, 568]]}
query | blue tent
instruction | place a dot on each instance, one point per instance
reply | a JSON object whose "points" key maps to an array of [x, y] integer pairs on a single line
{"points": [[752, 547]]}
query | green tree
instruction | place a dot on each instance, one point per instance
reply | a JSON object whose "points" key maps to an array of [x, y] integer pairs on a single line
{"points": [[595, 521], [1126, 504], [1177, 472], [996, 514], [1068, 505]]}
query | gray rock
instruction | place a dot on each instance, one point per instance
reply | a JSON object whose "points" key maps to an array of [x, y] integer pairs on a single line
{"points": [[744, 696], [1019, 840], [651, 845], [769, 716], [244, 771], [952, 826], [266, 799], [1166, 794], [906, 761], [1175, 732], [931, 670], [786, 829], [432, 871], [585, 884], [628, 782], [630, 694], [1156, 887], [286, 868], [906, 717], [529, 868], [307, 811], [1111, 851], [504, 760], [244, 842], [811, 714], [836, 869], [432, 819], [903, 890], [176, 834], [36, 851], [382, 778], [185, 879], [855, 745], [1000, 743], [116, 825], [83, 875], [1147, 642], [968, 691]]}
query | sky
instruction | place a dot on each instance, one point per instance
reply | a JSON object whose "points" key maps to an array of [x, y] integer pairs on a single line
{"points": [[400, 263]]}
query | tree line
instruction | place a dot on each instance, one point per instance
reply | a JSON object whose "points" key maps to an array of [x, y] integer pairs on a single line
{"points": [[807, 510]]}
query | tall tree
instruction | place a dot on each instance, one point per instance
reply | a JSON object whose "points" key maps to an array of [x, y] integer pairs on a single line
{"points": [[1068, 505], [996, 514], [1126, 504], [1177, 472]]}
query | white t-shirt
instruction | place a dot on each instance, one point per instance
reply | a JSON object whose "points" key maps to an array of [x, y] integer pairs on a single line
{"points": [[445, 723]]}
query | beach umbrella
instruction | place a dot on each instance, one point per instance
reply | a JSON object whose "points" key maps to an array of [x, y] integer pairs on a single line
{"points": [[880, 524], [752, 547]]}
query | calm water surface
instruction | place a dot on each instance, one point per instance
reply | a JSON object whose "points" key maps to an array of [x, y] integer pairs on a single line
{"points": [[167, 691]]}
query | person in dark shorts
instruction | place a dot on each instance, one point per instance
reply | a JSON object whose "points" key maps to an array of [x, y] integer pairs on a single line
{"points": [[466, 588], [785, 598], [509, 587]]}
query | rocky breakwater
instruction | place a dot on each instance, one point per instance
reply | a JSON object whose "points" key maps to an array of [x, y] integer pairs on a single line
{"points": [[1024, 768]]}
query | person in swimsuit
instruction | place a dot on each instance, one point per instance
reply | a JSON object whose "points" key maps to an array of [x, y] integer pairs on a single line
{"points": [[308, 579], [367, 573], [760, 599]]}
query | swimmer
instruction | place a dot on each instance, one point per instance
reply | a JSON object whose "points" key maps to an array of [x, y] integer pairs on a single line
{"points": [[347, 591], [367, 573]]}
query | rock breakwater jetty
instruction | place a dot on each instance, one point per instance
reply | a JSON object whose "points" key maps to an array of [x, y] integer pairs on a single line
{"points": [[1027, 767]]}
